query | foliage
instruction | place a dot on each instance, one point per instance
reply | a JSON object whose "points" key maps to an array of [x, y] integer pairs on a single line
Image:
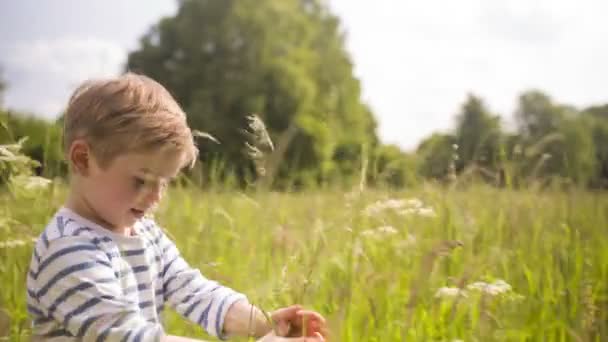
{"points": [[285, 60]]}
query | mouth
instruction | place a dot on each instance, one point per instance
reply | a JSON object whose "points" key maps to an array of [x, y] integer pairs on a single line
{"points": [[137, 213]]}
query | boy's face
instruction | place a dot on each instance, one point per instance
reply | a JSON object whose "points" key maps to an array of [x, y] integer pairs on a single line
{"points": [[129, 187]]}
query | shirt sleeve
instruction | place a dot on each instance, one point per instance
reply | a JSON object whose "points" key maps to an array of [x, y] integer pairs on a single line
{"points": [[76, 286], [187, 291]]}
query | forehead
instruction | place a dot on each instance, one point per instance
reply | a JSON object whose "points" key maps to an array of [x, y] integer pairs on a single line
{"points": [[163, 164]]}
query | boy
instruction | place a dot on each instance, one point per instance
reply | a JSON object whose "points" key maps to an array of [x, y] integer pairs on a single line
{"points": [[101, 271]]}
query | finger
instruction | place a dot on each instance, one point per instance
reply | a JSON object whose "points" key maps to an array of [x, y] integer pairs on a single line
{"points": [[282, 328], [316, 327], [311, 315], [286, 313]]}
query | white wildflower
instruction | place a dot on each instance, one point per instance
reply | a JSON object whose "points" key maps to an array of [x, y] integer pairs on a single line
{"points": [[380, 232], [369, 233], [358, 249], [450, 292], [422, 211], [394, 204], [12, 243], [478, 285], [388, 230], [492, 289], [407, 212], [410, 240], [35, 183], [401, 206], [414, 203], [426, 212]]}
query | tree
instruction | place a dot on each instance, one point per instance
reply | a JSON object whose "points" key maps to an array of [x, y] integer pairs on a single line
{"points": [[437, 154], [2, 88], [477, 135], [225, 59], [536, 115], [394, 168], [556, 140], [598, 116]]}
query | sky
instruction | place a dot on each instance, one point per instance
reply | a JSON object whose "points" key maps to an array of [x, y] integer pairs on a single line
{"points": [[416, 60]]}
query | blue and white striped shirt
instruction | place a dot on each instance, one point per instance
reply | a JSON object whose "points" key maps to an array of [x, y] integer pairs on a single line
{"points": [[86, 283]]}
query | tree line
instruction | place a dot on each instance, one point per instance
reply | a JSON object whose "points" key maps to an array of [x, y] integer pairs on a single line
{"points": [[285, 61]]}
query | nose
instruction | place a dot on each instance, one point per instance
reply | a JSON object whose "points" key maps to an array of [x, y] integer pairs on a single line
{"points": [[153, 195]]}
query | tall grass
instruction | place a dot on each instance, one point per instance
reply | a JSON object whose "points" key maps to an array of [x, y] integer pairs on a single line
{"points": [[426, 264], [378, 270]]}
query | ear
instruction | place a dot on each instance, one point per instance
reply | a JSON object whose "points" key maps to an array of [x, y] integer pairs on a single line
{"points": [[79, 157]]}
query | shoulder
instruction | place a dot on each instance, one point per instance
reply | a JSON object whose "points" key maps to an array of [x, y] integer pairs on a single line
{"points": [[63, 231], [151, 230]]}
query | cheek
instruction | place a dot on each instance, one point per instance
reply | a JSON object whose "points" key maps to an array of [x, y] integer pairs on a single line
{"points": [[114, 194]]}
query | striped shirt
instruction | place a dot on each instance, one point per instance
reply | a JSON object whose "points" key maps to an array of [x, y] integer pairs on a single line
{"points": [[86, 283]]}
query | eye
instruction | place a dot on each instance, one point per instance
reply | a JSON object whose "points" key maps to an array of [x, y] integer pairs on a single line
{"points": [[138, 183]]}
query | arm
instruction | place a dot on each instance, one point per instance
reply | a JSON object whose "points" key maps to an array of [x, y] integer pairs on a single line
{"points": [[202, 301], [76, 286], [244, 319]]}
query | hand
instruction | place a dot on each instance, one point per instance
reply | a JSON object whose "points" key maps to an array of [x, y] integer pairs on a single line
{"points": [[272, 337], [290, 321]]}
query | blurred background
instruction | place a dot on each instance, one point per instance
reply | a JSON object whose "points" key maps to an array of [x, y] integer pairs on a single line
{"points": [[500, 90]]}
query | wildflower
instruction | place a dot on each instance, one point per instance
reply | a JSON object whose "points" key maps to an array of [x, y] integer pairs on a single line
{"points": [[492, 289], [358, 249], [409, 240], [401, 206], [426, 212], [36, 182], [413, 203], [12, 243], [389, 230], [450, 292], [379, 232], [368, 233], [423, 211], [30, 183]]}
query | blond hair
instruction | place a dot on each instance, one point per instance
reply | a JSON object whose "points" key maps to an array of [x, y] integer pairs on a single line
{"points": [[127, 114]]}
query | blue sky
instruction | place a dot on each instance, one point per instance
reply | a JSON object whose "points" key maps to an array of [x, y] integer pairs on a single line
{"points": [[416, 60]]}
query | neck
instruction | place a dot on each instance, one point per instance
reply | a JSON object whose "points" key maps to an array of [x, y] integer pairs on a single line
{"points": [[81, 206]]}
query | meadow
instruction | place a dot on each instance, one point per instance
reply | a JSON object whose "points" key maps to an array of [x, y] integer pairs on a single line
{"points": [[431, 263]]}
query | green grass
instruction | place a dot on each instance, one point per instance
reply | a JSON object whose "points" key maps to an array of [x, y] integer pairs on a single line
{"points": [[319, 249]]}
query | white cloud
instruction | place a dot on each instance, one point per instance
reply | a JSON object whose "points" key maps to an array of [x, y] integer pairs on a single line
{"points": [[72, 59], [45, 72], [417, 60]]}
